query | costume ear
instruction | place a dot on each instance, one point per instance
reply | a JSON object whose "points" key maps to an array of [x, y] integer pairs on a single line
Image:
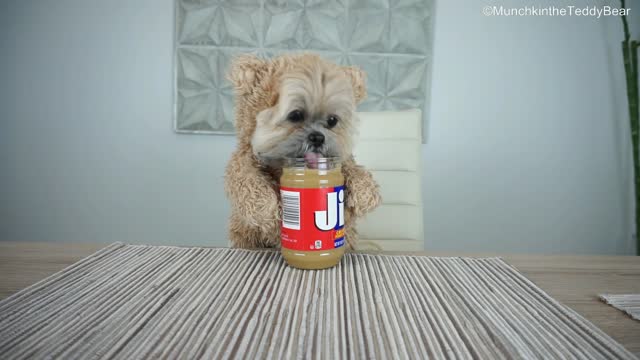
{"points": [[245, 72], [358, 82]]}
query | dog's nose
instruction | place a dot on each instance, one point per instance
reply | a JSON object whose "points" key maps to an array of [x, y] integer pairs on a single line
{"points": [[316, 138]]}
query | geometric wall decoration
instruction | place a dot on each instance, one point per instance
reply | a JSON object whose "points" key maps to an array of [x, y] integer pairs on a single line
{"points": [[390, 40]]}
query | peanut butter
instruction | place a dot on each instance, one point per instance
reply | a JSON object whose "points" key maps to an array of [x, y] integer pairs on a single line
{"points": [[312, 233]]}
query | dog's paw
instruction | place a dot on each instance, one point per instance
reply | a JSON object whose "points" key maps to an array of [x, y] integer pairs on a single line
{"points": [[363, 202], [363, 194]]}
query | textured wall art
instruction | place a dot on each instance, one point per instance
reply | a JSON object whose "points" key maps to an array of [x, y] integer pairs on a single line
{"points": [[390, 40]]}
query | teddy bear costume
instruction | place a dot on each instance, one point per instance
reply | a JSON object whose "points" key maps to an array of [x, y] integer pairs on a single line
{"points": [[252, 188]]}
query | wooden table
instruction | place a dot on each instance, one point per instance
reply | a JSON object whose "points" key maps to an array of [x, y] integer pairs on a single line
{"points": [[573, 280]]}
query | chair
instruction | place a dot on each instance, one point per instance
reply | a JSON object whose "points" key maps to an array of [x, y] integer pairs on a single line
{"points": [[389, 145]]}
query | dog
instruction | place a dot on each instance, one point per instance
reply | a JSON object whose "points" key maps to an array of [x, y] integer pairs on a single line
{"points": [[299, 106]]}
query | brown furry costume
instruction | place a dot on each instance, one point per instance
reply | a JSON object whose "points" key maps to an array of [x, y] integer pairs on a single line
{"points": [[253, 189]]}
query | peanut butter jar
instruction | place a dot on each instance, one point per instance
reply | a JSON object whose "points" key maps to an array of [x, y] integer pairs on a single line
{"points": [[313, 194]]}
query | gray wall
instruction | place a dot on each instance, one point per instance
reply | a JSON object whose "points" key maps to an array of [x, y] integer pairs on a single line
{"points": [[528, 145], [525, 148]]}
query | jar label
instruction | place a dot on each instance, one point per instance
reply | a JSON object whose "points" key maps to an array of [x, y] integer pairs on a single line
{"points": [[312, 219]]}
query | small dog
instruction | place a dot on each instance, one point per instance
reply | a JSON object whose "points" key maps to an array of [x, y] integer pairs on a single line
{"points": [[292, 106]]}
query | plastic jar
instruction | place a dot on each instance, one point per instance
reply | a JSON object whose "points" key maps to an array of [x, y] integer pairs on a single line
{"points": [[313, 194]]}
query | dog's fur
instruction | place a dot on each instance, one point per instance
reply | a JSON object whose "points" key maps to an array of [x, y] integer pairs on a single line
{"points": [[267, 91]]}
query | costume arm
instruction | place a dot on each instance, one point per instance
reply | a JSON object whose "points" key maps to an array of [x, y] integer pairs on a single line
{"points": [[363, 193], [252, 193]]}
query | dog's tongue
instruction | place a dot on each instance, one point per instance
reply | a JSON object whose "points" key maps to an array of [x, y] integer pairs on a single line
{"points": [[311, 159]]}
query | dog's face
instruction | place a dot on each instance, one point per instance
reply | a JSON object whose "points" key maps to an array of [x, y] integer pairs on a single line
{"points": [[313, 117]]}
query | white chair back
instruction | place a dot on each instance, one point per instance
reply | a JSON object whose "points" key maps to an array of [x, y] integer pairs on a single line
{"points": [[389, 145]]}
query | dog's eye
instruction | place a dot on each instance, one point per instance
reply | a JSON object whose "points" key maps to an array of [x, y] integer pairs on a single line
{"points": [[332, 121], [295, 116]]}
